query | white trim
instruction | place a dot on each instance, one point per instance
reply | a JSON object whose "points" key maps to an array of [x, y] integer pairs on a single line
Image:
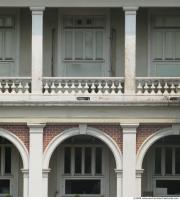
{"points": [[150, 141], [18, 144], [75, 131]]}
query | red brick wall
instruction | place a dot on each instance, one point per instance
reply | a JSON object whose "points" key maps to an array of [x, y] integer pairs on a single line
{"points": [[144, 131], [21, 131]]}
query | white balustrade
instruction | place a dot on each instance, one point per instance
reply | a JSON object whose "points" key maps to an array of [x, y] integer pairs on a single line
{"points": [[157, 86], [83, 86], [15, 85]]}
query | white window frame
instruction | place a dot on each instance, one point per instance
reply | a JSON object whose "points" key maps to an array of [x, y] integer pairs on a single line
{"points": [[152, 64], [15, 13], [102, 177], [60, 69]]}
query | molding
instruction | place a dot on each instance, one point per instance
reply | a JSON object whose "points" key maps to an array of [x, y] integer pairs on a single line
{"points": [[37, 10], [129, 128], [139, 173], [36, 128], [82, 129], [130, 10]]}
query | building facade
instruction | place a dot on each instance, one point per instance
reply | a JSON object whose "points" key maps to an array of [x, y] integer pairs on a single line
{"points": [[89, 98]]}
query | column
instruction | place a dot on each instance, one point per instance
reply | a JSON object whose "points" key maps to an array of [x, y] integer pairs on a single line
{"points": [[130, 50], [139, 173], [45, 182], [25, 173], [119, 182], [129, 159], [37, 49], [35, 160]]}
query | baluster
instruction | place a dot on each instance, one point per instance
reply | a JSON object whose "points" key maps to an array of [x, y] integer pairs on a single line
{"points": [[139, 88], [113, 88], [119, 88], [79, 87], [106, 88], [172, 89], [86, 87], [73, 87], [66, 87], [146, 88], [53, 88], [166, 89], [178, 89], [46, 88], [59, 87], [93, 88], [1, 87], [20, 88], [159, 88], [13, 88], [6, 87], [26, 88], [152, 88]]}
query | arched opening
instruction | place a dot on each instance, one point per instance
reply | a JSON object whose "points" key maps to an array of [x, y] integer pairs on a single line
{"points": [[161, 166], [11, 163], [82, 165]]}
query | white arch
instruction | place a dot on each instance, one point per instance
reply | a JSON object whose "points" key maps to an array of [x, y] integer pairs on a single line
{"points": [[18, 144], [150, 141], [75, 131]]}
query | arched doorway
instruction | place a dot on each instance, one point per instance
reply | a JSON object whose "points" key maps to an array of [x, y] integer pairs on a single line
{"points": [[83, 164], [13, 165], [159, 156]]}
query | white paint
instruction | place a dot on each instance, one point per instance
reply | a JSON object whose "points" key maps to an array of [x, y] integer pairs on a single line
{"points": [[138, 182], [37, 49], [25, 173], [129, 159], [35, 160], [119, 182], [130, 49]]}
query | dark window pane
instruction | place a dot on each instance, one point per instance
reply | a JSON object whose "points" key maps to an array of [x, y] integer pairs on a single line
{"points": [[88, 160], [158, 161], [82, 187], [8, 160], [177, 160], [173, 186], [5, 187], [78, 160], [67, 160], [0, 160], [98, 160], [168, 160]]}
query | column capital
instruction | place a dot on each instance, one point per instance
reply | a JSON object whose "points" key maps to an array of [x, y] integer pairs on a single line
{"points": [[118, 171], [130, 10], [36, 128], [129, 128], [139, 173], [37, 10]]}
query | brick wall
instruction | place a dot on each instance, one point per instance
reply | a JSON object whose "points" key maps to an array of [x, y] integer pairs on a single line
{"points": [[144, 131], [21, 131]]}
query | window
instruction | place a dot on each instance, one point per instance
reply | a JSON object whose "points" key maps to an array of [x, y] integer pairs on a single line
{"points": [[166, 46], [167, 161], [83, 170], [7, 45], [84, 45]]}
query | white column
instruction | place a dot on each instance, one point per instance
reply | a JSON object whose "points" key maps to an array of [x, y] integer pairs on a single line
{"points": [[130, 49], [37, 49], [119, 182], [129, 159], [139, 173], [45, 182], [25, 173], [35, 160]]}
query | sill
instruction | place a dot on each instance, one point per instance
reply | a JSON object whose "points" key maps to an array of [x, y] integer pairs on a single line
{"points": [[83, 61]]}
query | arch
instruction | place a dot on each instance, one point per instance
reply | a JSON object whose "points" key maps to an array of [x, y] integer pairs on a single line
{"points": [[150, 141], [75, 131], [18, 144]]}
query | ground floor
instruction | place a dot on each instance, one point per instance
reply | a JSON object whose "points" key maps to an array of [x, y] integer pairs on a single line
{"points": [[89, 160]]}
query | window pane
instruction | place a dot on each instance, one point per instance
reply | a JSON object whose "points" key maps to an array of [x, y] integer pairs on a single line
{"points": [[68, 45], [78, 160], [9, 44], [177, 44], [1, 44], [78, 45], [99, 45], [88, 160], [169, 46], [67, 160], [98, 160], [5, 187], [168, 160], [8, 160], [158, 45], [89, 45], [82, 187], [177, 160], [158, 161]]}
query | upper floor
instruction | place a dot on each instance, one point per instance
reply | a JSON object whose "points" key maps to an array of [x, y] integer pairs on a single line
{"points": [[116, 53]]}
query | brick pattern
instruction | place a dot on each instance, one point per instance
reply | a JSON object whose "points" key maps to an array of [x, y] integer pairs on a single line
{"points": [[51, 131], [144, 131], [21, 131]]}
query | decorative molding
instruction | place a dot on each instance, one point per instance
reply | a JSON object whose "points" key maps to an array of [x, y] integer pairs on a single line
{"points": [[139, 173], [36, 128], [130, 10], [37, 10], [83, 129], [129, 128]]}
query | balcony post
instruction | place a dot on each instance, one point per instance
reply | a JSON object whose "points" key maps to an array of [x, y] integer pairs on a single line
{"points": [[37, 49], [130, 50]]}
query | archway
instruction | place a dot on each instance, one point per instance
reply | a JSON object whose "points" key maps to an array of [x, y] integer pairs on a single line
{"points": [[98, 135]]}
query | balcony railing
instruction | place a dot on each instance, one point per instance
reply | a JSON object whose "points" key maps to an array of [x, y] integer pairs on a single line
{"points": [[15, 85], [157, 86], [83, 86]]}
